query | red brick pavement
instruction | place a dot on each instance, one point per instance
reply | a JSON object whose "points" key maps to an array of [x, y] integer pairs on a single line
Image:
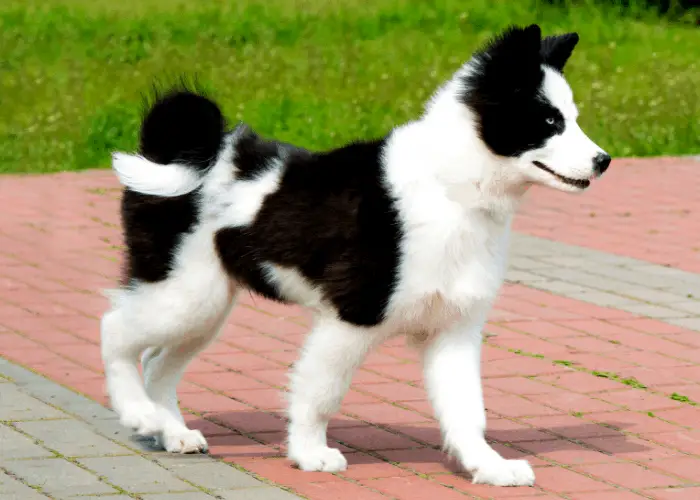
{"points": [[594, 397], [646, 209]]}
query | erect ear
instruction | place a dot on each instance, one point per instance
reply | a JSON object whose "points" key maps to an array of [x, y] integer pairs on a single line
{"points": [[556, 50], [510, 62], [513, 44]]}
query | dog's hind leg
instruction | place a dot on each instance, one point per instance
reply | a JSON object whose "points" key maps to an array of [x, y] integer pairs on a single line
{"points": [[171, 320], [162, 370], [121, 347], [319, 381]]}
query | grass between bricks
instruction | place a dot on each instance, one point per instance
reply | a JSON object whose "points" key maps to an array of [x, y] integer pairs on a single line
{"points": [[628, 381], [317, 73]]}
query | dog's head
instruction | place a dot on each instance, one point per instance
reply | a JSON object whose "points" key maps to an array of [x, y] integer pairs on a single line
{"points": [[525, 111]]}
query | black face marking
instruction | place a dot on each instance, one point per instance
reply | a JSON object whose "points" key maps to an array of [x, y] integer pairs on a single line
{"points": [[332, 220], [504, 90], [181, 126]]}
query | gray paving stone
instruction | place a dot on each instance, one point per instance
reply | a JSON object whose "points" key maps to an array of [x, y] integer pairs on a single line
{"points": [[578, 280], [620, 273], [619, 287], [16, 405], [687, 291], [264, 493], [566, 261], [567, 274], [653, 311], [135, 474], [559, 287], [689, 323], [692, 307], [89, 429], [215, 475], [13, 489], [15, 445], [174, 460], [104, 497], [598, 277], [68, 400], [605, 299], [113, 430], [655, 296], [523, 276], [57, 477], [14, 372], [71, 438], [526, 263], [635, 277], [598, 258], [187, 495]]}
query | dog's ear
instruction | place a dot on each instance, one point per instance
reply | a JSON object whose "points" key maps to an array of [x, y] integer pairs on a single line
{"points": [[513, 44], [556, 50], [510, 62]]}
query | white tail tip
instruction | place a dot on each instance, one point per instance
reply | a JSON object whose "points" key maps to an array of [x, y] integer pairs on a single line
{"points": [[143, 176]]}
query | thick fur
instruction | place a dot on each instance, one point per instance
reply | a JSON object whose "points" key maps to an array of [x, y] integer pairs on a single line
{"points": [[407, 234]]}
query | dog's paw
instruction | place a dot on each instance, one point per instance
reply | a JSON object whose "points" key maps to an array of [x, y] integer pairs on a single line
{"points": [[505, 473], [183, 441], [323, 459], [143, 418]]}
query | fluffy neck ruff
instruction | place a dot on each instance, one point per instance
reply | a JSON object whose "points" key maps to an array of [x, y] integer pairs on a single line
{"points": [[444, 145]]}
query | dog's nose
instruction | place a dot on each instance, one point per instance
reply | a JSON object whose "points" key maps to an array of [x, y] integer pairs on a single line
{"points": [[601, 162]]}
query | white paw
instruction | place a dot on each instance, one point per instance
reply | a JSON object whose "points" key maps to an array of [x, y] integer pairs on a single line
{"points": [[505, 473], [183, 441], [320, 459], [143, 418]]}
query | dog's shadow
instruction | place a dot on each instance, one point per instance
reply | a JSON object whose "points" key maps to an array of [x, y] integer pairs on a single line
{"points": [[417, 444]]}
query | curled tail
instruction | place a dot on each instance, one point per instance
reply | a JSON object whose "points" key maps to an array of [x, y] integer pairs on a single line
{"points": [[181, 136]]}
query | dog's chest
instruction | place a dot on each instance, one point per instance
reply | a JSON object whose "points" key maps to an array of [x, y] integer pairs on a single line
{"points": [[447, 273]]}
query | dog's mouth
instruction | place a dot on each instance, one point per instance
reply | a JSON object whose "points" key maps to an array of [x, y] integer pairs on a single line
{"points": [[577, 183]]}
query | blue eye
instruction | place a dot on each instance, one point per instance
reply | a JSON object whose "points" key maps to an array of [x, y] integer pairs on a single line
{"points": [[550, 121]]}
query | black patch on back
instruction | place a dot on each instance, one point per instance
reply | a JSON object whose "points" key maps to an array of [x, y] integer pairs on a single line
{"points": [[181, 126], [253, 154], [240, 259], [505, 89], [333, 220]]}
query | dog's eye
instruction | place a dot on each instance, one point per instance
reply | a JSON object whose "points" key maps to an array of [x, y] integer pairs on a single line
{"points": [[550, 121]]}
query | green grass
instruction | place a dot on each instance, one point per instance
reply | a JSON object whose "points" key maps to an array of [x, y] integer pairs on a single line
{"points": [[629, 381], [316, 72]]}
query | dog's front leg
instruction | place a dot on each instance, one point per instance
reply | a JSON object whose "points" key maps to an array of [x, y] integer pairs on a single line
{"points": [[452, 363], [319, 381]]}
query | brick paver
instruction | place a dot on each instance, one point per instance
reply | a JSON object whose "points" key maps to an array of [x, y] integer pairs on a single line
{"points": [[641, 208], [592, 365]]}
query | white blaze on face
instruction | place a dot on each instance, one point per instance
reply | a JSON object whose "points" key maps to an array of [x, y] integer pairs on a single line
{"points": [[571, 153]]}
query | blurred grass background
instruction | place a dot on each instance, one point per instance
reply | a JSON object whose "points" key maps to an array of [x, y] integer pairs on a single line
{"points": [[318, 73]]}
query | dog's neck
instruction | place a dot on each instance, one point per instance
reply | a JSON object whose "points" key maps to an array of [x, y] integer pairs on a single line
{"points": [[444, 145]]}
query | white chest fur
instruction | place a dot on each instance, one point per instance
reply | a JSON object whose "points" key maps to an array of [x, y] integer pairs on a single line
{"points": [[448, 272], [456, 223]]}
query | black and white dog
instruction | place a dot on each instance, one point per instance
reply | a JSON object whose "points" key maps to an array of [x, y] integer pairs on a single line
{"points": [[405, 235]]}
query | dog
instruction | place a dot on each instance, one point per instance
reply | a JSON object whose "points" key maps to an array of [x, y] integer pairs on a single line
{"points": [[403, 235]]}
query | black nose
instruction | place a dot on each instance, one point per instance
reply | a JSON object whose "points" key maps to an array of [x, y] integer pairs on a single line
{"points": [[601, 162]]}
